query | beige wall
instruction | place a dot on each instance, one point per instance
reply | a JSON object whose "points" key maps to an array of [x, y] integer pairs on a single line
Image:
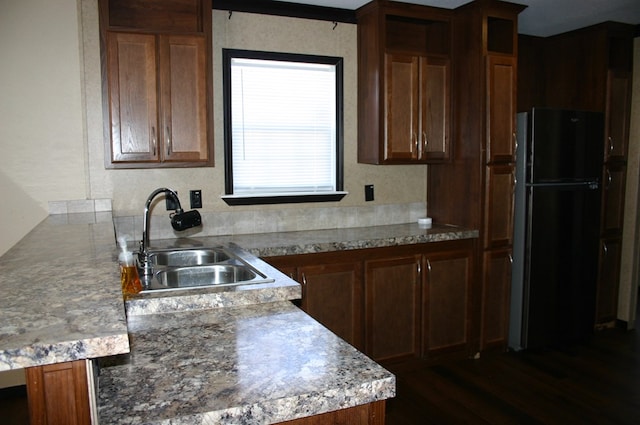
{"points": [[41, 115]]}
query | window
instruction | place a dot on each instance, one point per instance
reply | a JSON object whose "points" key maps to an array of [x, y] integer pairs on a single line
{"points": [[283, 128]]}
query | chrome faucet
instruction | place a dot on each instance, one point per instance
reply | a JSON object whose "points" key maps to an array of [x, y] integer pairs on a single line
{"points": [[180, 220]]}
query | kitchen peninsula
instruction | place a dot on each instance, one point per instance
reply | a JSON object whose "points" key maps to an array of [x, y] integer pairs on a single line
{"points": [[249, 356]]}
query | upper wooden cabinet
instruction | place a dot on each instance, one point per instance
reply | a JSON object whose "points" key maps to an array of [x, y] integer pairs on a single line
{"points": [[617, 115], [157, 83], [404, 83], [501, 108]]}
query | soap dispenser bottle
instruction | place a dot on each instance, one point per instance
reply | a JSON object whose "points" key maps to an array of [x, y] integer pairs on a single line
{"points": [[128, 271]]}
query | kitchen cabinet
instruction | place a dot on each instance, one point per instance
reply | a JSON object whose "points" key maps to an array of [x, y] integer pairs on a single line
{"points": [[414, 300], [501, 108], [476, 188], [608, 277], [447, 300], [331, 292], [58, 394], [496, 292], [404, 87], [392, 291], [157, 80], [365, 414]]}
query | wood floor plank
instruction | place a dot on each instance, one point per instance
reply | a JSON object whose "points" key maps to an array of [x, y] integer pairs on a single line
{"points": [[597, 382]]}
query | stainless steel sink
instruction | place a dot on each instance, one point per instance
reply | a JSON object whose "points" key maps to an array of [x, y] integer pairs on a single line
{"points": [[218, 274], [188, 257], [181, 269]]}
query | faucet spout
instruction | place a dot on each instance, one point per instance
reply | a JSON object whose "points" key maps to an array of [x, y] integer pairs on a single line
{"points": [[179, 221]]}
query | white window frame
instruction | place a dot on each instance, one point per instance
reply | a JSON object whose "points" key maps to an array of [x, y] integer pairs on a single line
{"points": [[332, 186]]}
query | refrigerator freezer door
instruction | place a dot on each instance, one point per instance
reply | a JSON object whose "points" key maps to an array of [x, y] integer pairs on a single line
{"points": [[565, 145]]}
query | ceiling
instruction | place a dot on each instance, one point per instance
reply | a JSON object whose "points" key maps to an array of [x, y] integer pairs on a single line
{"points": [[541, 18]]}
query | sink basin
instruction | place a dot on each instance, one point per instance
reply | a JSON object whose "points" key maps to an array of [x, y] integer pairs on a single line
{"points": [[175, 269], [188, 257], [219, 274]]}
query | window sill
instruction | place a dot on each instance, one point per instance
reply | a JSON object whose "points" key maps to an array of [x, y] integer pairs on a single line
{"points": [[287, 198]]}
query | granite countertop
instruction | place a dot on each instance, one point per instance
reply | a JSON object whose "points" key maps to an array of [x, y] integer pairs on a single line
{"points": [[61, 298], [256, 364], [316, 241]]}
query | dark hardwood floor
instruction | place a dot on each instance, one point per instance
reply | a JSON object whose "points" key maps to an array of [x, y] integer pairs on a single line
{"points": [[594, 383]]}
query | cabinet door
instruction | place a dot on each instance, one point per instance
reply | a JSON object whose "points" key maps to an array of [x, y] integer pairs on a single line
{"points": [[608, 280], [332, 294], [435, 108], [617, 115], [58, 393], [401, 107], [132, 91], [392, 293], [499, 205], [501, 108], [613, 199], [184, 98], [496, 293], [446, 301]]}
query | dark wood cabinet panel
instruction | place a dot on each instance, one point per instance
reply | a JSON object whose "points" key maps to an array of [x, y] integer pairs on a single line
{"points": [[496, 292], [332, 294], [499, 206], [617, 115], [417, 108], [501, 108], [133, 98], [608, 281], [402, 99], [446, 295], [392, 291], [58, 394], [613, 191], [365, 414]]}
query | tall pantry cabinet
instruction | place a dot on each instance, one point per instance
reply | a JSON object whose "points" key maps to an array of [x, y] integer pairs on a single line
{"points": [[476, 188]]}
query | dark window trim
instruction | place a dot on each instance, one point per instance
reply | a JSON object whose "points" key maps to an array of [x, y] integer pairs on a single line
{"points": [[292, 10], [227, 55]]}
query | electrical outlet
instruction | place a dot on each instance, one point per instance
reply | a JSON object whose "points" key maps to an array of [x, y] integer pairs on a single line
{"points": [[368, 192], [171, 204], [196, 198]]}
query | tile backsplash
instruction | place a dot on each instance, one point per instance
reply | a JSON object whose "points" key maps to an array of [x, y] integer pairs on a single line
{"points": [[246, 222]]}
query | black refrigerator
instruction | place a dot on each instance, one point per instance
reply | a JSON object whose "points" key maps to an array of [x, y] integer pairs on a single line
{"points": [[557, 221]]}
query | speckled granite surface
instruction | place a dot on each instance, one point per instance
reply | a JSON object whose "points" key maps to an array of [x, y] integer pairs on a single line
{"points": [[255, 364], [314, 241], [281, 288], [61, 298]]}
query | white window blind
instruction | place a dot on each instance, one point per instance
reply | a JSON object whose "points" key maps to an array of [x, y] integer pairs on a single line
{"points": [[283, 124]]}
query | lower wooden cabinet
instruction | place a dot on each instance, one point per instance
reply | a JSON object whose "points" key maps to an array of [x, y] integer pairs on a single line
{"points": [[394, 302], [331, 294], [365, 414], [446, 295], [496, 293], [608, 278], [58, 394], [392, 305]]}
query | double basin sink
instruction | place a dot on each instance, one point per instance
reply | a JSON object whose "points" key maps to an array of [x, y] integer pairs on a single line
{"points": [[176, 269]]}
